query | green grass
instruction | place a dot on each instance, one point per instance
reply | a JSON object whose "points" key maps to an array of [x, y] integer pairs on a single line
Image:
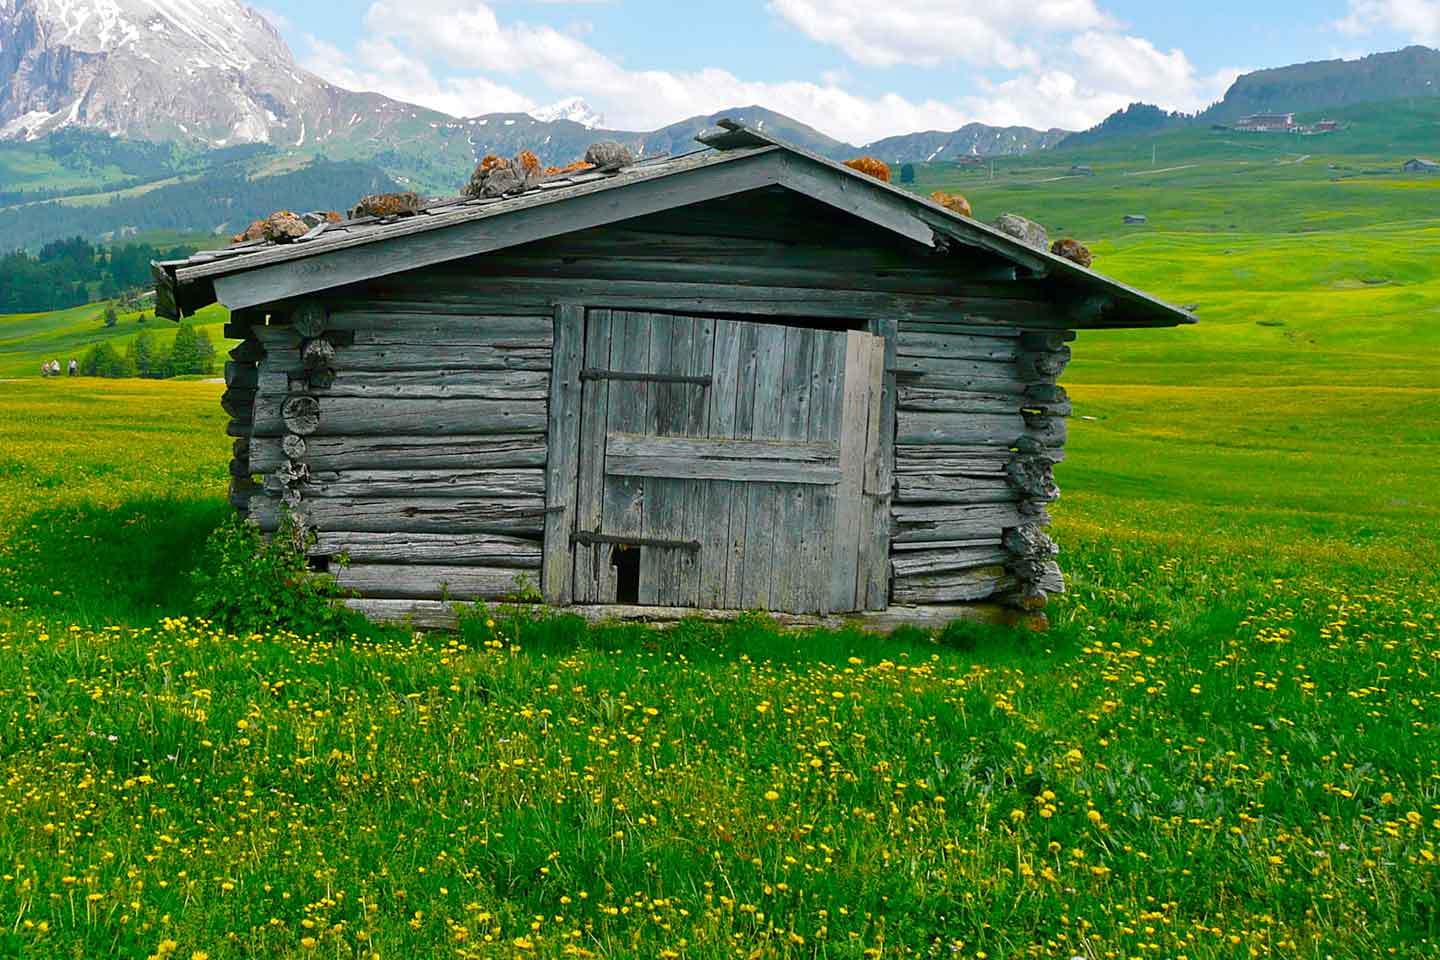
{"points": [[1226, 746], [29, 339]]}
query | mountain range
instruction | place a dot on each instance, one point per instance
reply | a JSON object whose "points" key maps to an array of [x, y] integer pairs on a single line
{"points": [[214, 73], [121, 105]]}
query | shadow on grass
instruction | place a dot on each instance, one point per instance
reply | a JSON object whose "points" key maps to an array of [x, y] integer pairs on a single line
{"points": [[98, 565], [754, 636]]}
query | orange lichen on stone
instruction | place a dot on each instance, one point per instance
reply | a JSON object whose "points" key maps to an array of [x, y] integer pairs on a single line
{"points": [[387, 205], [1073, 250], [255, 231], [870, 167], [579, 166], [953, 202], [528, 162], [491, 162]]}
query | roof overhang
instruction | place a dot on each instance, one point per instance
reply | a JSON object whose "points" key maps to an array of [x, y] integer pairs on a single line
{"points": [[742, 160]]}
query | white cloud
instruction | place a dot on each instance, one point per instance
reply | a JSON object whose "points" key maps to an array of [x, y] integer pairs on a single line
{"points": [[932, 32], [1102, 73], [1418, 20], [465, 59]]}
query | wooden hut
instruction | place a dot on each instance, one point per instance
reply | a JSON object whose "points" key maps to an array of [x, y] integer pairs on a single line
{"points": [[743, 378]]}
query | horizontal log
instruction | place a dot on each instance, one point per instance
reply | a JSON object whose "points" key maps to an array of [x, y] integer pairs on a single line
{"points": [[1047, 431], [237, 403], [458, 452], [248, 351], [914, 427], [915, 343], [397, 581], [238, 428], [370, 484], [1044, 365], [972, 544], [458, 549], [429, 325], [501, 294], [522, 518], [928, 562], [919, 524], [240, 467], [931, 399], [360, 416], [955, 587], [423, 356], [452, 383], [912, 369], [240, 376], [933, 488]]}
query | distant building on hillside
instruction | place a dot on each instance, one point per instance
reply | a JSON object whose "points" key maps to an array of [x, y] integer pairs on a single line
{"points": [[1326, 126], [1421, 166], [1267, 123], [1082, 170], [1136, 218], [970, 160]]}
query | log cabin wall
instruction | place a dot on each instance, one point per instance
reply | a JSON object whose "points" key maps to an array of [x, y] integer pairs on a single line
{"points": [[405, 419]]}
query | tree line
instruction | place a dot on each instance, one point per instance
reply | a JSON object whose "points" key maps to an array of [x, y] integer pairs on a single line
{"points": [[73, 272], [191, 352]]}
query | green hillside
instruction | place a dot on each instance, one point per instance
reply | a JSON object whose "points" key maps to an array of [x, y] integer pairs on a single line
{"points": [[29, 339]]}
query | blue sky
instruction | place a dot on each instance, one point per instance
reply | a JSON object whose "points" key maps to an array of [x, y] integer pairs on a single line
{"points": [[857, 69]]}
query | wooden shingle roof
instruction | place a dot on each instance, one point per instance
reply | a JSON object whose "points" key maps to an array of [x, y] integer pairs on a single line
{"points": [[738, 159]]}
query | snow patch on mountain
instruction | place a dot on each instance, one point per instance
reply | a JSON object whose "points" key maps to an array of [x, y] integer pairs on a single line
{"points": [[573, 109]]}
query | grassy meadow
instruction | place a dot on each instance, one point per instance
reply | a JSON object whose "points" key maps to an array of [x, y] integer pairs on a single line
{"points": [[1227, 745]]}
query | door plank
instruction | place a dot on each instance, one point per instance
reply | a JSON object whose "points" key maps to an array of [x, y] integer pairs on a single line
{"points": [[594, 403], [717, 496], [557, 578], [787, 555], [828, 394], [747, 360], [630, 410], [853, 421], [762, 512], [683, 469], [724, 446]]}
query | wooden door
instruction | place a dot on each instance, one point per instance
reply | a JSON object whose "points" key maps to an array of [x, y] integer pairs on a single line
{"points": [[728, 464]]}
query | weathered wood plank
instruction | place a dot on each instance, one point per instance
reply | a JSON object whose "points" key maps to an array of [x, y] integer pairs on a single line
{"points": [[927, 562], [918, 524], [370, 484], [854, 427], [360, 416], [762, 509], [772, 471], [916, 427], [424, 515], [714, 509], [369, 321], [405, 452], [670, 343], [817, 526], [934, 400], [423, 356], [562, 467], [942, 488], [954, 587], [747, 364], [401, 581], [723, 448], [469, 294], [790, 586], [873, 585], [456, 382], [628, 347], [925, 343], [590, 451], [472, 549]]}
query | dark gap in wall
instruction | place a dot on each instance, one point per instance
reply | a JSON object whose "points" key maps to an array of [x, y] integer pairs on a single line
{"points": [[626, 561]]}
